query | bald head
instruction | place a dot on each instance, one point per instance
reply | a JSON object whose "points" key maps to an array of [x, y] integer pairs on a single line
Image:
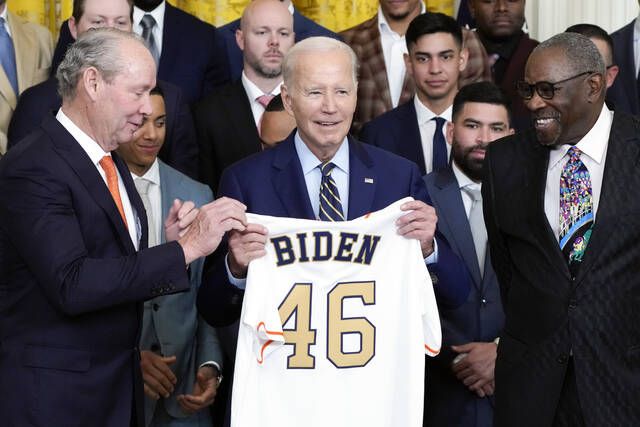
{"points": [[254, 10]]}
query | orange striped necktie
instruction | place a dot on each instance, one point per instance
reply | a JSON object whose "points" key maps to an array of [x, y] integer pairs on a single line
{"points": [[112, 182]]}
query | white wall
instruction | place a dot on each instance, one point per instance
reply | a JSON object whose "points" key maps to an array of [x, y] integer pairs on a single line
{"points": [[548, 17]]}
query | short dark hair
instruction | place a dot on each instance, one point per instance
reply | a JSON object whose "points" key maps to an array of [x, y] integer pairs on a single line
{"points": [[275, 104], [593, 32], [78, 9], [482, 92], [431, 23], [157, 90]]}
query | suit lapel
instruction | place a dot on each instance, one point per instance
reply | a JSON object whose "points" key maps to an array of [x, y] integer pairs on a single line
{"points": [[170, 45], [362, 180], [10, 97], [24, 46], [620, 165], [136, 202], [452, 220], [239, 112], [89, 176], [407, 133], [289, 180]]}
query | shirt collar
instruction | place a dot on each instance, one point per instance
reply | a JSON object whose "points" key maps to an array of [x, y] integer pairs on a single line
{"points": [[91, 147], [462, 178], [309, 161], [383, 25], [157, 13], [593, 144], [4, 15], [152, 175], [253, 91], [424, 114], [291, 9]]}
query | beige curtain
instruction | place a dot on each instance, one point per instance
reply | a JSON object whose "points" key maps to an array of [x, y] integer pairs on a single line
{"points": [[334, 14]]}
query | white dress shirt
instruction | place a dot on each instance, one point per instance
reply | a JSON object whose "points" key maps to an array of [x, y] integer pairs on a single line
{"points": [[594, 152], [253, 92], [636, 45], [155, 199], [394, 47], [96, 153], [4, 16], [428, 128], [158, 15]]}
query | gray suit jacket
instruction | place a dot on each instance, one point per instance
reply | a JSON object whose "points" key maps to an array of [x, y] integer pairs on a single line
{"points": [[480, 318], [179, 329]]}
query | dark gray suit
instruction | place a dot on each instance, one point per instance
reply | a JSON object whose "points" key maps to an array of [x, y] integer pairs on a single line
{"points": [[448, 402]]}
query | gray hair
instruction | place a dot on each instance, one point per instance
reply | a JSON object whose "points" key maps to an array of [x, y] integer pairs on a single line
{"points": [[582, 55], [98, 48], [316, 44]]}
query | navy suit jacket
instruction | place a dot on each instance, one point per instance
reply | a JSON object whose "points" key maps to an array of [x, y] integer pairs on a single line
{"points": [[272, 183], [190, 59], [397, 131], [72, 287], [480, 318], [303, 28], [623, 94], [180, 148]]}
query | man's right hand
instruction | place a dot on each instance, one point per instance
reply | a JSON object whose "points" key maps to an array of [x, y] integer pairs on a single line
{"points": [[244, 247], [158, 378], [207, 229]]}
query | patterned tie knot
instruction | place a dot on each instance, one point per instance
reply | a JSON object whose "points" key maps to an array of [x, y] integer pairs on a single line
{"points": [[264, 100], [327, 168], [147, 22], [142, 185]]}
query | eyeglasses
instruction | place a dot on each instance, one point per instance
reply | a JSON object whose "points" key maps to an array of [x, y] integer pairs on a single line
{"points": [[545, 90]]}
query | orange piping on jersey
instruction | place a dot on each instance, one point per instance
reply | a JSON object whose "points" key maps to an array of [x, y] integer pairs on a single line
{"points": [[432, 351], [268, 331], [266, 344]]}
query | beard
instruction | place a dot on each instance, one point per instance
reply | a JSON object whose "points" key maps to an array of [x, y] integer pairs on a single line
{"points": [[470, 166]]}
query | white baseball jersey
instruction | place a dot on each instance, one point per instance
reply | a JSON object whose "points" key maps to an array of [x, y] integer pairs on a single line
{"points": [[335, 323]]}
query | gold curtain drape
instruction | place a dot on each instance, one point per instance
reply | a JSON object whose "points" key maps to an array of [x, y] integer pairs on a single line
{"points": [[334, 14]]}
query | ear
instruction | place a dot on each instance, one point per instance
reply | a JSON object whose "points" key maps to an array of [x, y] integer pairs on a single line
{"points": [[92, 82], [286, 99], [464, 58], [612, 73], [511, 131], [596, 83], [407, 63], [449, 133], [73, 27], [240, 39]]}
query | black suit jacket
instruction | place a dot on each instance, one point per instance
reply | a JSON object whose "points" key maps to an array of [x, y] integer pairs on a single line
{"points": [[623, 94], [226, 131], [180, 148], [190, 59], [549, 314]]}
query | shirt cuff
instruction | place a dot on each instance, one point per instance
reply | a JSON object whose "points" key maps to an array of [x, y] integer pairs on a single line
{"points": [[433, 258], [211, 363], [238, 283]]}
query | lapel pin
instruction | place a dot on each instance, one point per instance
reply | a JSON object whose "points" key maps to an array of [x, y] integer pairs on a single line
{"points": [[368, 180]]}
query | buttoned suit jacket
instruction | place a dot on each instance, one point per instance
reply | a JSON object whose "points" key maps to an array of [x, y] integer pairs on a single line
{"points": [[480, 319], [303, 28], [272, 183], [374, 97], [179, 329], [549, 314], [72, 287], [190, 57], [397, 131], [33, 48], [226, 131], [623, 94], [180, 149]]}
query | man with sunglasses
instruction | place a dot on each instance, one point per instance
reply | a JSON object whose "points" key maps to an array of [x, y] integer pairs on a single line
{"points": [[563, 227]]}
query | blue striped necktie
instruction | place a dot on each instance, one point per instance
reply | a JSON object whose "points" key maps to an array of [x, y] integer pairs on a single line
{"points": [[8, 56], [330, 204]]}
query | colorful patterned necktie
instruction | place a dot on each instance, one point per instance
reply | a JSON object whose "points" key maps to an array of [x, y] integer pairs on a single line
{"points": [[112, 182], [330, 204], [576, 209]]}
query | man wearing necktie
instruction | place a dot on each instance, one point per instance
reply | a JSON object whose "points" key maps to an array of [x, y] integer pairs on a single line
{"points": [[560, 208], [318, 172], [76, 266], [416, 129]]}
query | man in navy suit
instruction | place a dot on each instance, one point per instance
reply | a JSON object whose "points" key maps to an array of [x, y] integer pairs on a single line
{"points": [[415, 130], [319, 90], [189, 56], [303, 27], [75, 263], [624, 94], [181, 150], [459, 381]]}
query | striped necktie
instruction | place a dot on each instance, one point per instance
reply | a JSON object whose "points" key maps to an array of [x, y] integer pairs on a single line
{"points": [[330, 204], [112, 182]]}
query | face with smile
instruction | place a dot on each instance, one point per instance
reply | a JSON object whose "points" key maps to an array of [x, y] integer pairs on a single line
{"points": [[100, 14], [435, 62], [498, 19], [472, 130], [148, 139], [568, 116], [322, 99]]}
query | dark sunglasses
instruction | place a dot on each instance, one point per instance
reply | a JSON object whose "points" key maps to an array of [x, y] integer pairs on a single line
{"points": [[545, 90]]}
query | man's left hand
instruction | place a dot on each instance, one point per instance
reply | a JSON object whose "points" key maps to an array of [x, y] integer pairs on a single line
{"points": [[204, 391], [419, 224], [180, 216], [476, 370]]}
